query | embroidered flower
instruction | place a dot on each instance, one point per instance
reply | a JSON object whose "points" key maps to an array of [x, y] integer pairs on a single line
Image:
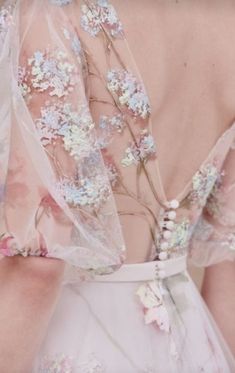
{"points": [[75, 42], [113, 173], [61, 2], [130, 92], [215, 197], [56, 364], [107, 127], [143, 149], [150, 295], [180, 234], [100, 13], [10, 247], [202, 184], [51, 71], [91, 192], [23, 82], [74, 127]]}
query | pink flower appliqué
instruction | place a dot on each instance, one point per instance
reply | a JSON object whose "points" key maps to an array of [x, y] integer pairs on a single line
{"points": [[7, 245], [151, 297]]}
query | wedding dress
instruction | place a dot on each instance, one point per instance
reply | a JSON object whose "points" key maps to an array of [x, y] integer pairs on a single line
{"points": [[98, 169]]}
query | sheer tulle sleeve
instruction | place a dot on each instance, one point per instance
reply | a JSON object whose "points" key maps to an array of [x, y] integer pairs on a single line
{"points": [[213, 240], [56, 199]]}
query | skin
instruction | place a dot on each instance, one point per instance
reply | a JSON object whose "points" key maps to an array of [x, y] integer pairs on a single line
{"points": [[219, 293], [29, 288]]}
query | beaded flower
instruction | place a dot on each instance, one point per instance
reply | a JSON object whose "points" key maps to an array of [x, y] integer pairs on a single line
{"points": [[107, 127], [90, 192], [49, 71], [74, 127], [60, 2], [141, 150], [98, 14], [130, 92], [214, 199], [75, 42], [202, 184], [151, 297]]}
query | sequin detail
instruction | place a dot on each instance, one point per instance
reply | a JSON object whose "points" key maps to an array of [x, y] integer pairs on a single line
{"points": [[49, 71], [202, 184], [180, 235], [74, 41], [9, 246], [98, 14], [151, 297], [214, 199], [74, 127], [130, 92], [107, 128], [90, 192], [57, 364], [60, 2], [140, 151]]}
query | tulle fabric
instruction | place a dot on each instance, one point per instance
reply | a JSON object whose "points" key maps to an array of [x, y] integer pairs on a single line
{"points": [[81, 180], [30, 175], [111, 335]]}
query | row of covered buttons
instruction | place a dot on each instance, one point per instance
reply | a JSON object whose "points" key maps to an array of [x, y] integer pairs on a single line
{"points": [[167, 225]]}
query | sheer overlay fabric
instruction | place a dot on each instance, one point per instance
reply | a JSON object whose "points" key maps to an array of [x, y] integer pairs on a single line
{"points": [[117, 145]]}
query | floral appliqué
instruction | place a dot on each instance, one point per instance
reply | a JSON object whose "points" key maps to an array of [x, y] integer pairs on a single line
{"points": [[140, 151], [75, 43], [90, 192], [108, 126], [57, 364], [74, 127], [100, 13], [48, 71], [151, 297], [60, 2], [202, 184], [130, 92], [214, 199]]}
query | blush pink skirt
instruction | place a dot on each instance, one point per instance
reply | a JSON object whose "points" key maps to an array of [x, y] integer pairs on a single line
{"points": [[144, 318]]}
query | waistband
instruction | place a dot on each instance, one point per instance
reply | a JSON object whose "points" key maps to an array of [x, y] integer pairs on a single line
{"points": [[146, 271]]}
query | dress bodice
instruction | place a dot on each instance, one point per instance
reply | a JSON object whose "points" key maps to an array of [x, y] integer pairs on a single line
{"points": [[120, 144]]}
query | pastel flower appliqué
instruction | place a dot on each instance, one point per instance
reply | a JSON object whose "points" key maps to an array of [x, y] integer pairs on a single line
{"points": [[140, 151], [75, 42], [130, 92], [60, 2], [59, 363], [52, 72], [107, 127], [151, 297], [202, 184], [215, 197], [91, 192], [100, 13], [74, 127]]}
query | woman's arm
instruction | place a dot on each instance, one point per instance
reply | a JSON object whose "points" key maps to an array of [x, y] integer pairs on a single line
{"points": [[219, 293]]}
